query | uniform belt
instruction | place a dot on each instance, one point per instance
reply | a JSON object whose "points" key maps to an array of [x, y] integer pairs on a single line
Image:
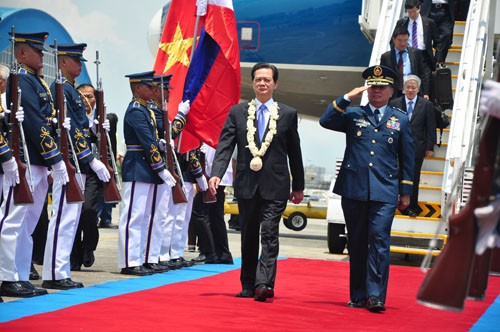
{"points": [[439, 5], [132, 148]]}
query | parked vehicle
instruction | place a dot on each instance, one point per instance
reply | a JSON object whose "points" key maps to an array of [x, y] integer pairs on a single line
{"points": [[295, 215]]}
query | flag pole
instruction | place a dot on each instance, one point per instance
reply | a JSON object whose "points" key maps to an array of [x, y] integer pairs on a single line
{"points": [[201, 10]]}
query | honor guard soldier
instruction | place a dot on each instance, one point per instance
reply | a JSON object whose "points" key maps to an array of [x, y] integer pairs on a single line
{"points": [[375, 178], [19, 221], [143, 168], [179, 215], [64, 221], [158, 228]]}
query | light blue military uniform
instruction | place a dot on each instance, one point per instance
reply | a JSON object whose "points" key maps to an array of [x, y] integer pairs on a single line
{"points": [[376, 169]]}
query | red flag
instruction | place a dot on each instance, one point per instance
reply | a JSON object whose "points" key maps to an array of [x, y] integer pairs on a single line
{"points": [[213, 81], [174, 51]]}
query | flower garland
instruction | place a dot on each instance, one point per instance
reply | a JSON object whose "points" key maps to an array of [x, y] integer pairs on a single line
{"points": [[256, 162]]}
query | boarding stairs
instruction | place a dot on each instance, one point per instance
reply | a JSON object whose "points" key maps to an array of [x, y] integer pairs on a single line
{"points": [[472, 40]]}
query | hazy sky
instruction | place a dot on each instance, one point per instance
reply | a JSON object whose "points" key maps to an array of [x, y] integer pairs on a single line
{"points": [[118, 29]]}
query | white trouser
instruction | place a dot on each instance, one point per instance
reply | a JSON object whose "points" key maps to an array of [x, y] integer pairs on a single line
{"points": [[157, 223], [181, 217], [134, 219], [17, 223], [61, 234]]}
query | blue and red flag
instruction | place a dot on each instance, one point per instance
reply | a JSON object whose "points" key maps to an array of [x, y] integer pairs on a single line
{"points": [[213, 79], [174, 50]]}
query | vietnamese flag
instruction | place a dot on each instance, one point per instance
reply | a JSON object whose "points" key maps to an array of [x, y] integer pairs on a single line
{"points": [[174, 50], [214, 79]]}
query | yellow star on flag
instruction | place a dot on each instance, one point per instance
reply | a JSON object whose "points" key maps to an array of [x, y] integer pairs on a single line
{"points": [[177, 49]]}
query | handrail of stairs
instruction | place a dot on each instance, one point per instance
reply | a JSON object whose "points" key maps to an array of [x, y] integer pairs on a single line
{"points": [[475, 58], [390, 12]]}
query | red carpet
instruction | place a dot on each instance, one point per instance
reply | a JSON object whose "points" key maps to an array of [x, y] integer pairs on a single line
{"points": [[310, 296]]}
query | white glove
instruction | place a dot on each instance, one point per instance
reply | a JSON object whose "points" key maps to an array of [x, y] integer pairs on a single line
{"points": [[167, 178], [59, 173], [489, 103], [67, 124], [202, 183], [487, 220], [184, 107], [99, 169], [172, 144], [10, 172], [20, 114], [162, 144], [106, 125]]}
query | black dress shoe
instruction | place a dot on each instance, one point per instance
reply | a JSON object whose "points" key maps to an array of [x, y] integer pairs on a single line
{"points": [[34, 273], [205, 259], [1, 300], [356, 304], [63, 284], [75, 266], [225, 261], [156, 268], [20, 289], [185, 263], [375, 304], [263, 292], [246, 293], [172, 264], [137, 271], [88, 257]]}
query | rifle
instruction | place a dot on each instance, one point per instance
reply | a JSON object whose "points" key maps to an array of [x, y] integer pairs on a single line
{"points": [[178, 193], [208, 197], [446, 285], [111, 189], [22, 191], [74, 191]]}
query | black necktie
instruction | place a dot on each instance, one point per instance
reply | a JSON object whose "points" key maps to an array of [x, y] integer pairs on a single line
{"points": [[377, 113]]}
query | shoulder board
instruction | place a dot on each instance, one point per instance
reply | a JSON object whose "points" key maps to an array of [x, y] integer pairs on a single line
{"points": [[399, 109], [136, 104]]}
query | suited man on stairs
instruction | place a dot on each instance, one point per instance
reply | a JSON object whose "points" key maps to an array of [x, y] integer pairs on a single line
{"points": [[423, 128]]}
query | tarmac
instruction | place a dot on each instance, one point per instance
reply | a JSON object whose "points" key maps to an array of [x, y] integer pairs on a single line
{"points": [[310, 243]]}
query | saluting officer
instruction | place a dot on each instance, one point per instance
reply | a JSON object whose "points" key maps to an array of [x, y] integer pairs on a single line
{"points": [[143, 168], [19, 221], [64, 221], [375, 178]]}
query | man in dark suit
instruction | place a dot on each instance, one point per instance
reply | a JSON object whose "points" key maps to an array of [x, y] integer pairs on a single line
{"points": [[423, 33], [265, 133], [374, 179], [443, 13], [412, 62], [423, 128]]}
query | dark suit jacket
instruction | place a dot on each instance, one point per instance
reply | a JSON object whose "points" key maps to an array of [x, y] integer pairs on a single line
{"points": [[422, 123], [431, 38], [417, 66], [273, 180], [426, 8]]}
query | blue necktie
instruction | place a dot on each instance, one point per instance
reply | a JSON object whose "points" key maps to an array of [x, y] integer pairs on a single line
{"points": [[414, 36], [377, 113], [410, 109], [261, 121]]}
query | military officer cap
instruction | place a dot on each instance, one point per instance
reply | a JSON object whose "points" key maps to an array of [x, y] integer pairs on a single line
{"points": [[146, 78], [166, 80], [35, 39], [72, 50], [380, 75]]}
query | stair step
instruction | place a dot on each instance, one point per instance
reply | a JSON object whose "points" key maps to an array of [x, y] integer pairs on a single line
{"points": [[433, 165], [413, 251], [429, 178]]}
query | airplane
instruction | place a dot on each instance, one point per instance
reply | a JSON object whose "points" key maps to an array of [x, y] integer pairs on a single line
{"points": [[317, 46]]}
